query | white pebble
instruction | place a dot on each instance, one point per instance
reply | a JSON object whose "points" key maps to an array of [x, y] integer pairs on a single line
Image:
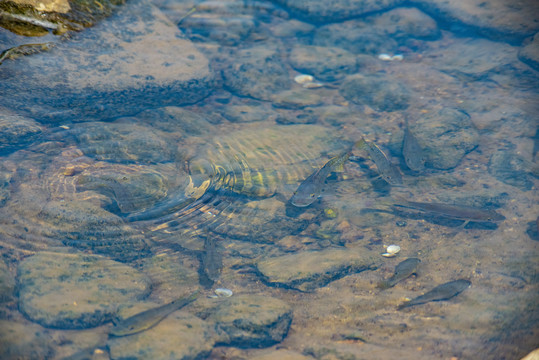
{"points": [[384, 57], [222, 292], [398, 57], [392, 250], [303, 79]]}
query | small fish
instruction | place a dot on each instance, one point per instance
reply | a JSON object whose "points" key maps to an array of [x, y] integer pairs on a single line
{"points": [[459, 212], [412, 151], [149, 318], [309, 190], [386, 169], [402, 271], [211, 263], [441, 292]]}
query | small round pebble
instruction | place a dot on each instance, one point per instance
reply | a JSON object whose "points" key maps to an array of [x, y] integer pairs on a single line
{"points": [[222, 292]]}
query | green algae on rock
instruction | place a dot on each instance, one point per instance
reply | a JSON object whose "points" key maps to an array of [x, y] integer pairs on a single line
{"points": [[35, 17], [76, 291]]}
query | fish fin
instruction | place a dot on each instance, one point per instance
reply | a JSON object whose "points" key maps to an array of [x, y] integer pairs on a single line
{"points": [[399, 200], [361, 144], [280, 197]]}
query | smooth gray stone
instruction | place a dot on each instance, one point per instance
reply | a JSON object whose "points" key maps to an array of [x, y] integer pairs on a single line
{"points": [[252, 320], [495, 19], [332, 11], [309, 270], [445, 136], [179, 336]]}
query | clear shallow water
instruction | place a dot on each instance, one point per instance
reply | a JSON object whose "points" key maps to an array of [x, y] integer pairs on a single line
{"points": [[104, 187]]}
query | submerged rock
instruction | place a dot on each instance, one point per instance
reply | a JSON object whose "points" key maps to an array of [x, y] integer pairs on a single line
{"points": [[256, 72], [7, 283], [529, 54], [281, 354], [295, 99], [332, 11], [250, 113], [24, 341], [379, 33], [445, 136], [107, 71], [495, 19], [172, 119], [179, 336], [76, 291], [376, 91], [309, 270], [225, 29], [16, 131], [511, 169], [325, 63], [122, 142], [474, 58], [86, 226], [252, 321]]}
